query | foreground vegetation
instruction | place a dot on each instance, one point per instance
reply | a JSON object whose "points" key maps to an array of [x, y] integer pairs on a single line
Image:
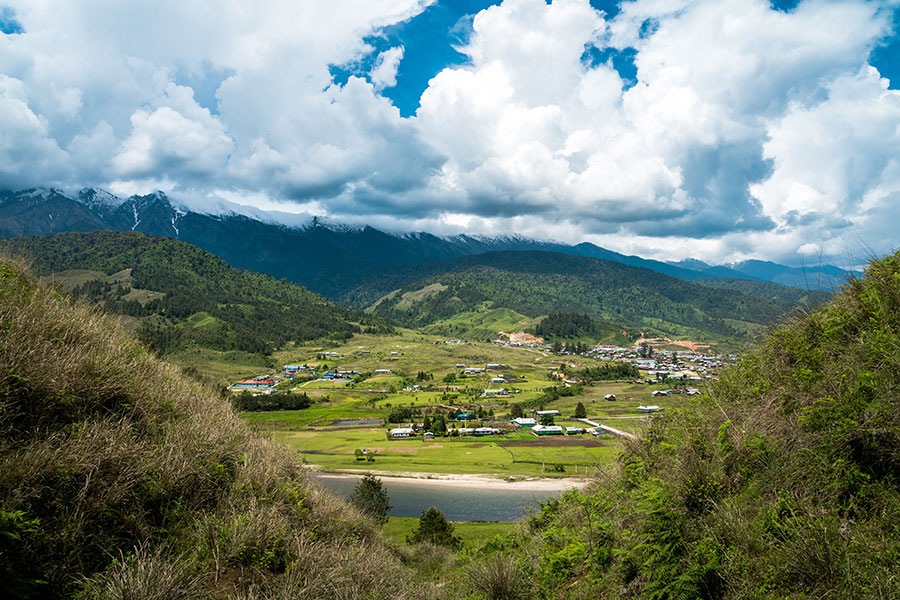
{"points": [[120, 478]]}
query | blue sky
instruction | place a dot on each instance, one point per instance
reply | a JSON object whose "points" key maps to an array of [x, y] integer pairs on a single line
{"points": [[719, 129]]}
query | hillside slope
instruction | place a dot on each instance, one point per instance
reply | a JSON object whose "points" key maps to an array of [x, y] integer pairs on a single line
{"points": [[183, 295], [783, 483], [119, 478], [539, 283]]}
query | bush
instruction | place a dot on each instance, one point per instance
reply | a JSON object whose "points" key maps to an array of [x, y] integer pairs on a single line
{"points": [[370, 497], [434, 528]]}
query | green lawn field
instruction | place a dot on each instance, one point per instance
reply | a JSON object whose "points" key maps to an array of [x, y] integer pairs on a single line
{"points": [[472, 534], [410, 353]]}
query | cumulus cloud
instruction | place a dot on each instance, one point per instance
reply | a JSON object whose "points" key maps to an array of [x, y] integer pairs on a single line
{"points": [[384, 73], [746, 131]]}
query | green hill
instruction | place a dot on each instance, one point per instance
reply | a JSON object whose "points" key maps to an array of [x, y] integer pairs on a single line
{"points": [[539, 283], [783, 483], [774, 291], [178, 296], [120, 478]]}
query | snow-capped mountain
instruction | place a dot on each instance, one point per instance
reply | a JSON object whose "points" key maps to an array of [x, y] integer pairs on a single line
{"points": [[329, 258]]}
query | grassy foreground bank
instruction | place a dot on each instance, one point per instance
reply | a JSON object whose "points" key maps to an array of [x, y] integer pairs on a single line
{"points": [[120, 478]]}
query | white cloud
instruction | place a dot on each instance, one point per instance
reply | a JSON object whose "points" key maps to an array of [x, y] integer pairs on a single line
{"points": [[748, 130], [384, 73]]}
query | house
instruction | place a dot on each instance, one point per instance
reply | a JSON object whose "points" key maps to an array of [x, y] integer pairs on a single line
{"points": [[473, 370], [552, 413], [495, 392], [492, 366], [382, 371], [657, 393], [429, 435], [403, 432], [609, 397], [257, 383], [460, 366], [574, 430], [497, 380], [547, 430], [524, 422], [463, 416], [486, 431], [649, 409]]}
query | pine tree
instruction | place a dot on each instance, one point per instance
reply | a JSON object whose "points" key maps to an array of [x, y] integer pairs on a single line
{"points": [[434, 527], [370, 497]]}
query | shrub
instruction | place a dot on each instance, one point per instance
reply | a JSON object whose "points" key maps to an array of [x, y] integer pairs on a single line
{"points": [[370, 497], [434, 528]]}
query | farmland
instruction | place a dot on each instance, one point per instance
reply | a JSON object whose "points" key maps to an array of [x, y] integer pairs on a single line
{"points": [[422, 377]]}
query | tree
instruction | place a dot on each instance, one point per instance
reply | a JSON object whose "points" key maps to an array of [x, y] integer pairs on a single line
{"points": [[370, 497], [515, 411], [547, 420], [450, 378], [434, 527], [439, 425], [580, 411], [359, 454]]}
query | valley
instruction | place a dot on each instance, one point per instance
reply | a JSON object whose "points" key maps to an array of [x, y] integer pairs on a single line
{"points": [[413, 378]]}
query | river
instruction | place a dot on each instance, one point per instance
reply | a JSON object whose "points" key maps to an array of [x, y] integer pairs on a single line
{"points": [[463, 503]]}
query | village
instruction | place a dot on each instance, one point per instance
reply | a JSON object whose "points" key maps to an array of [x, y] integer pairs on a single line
{"points": [[504, 407]]}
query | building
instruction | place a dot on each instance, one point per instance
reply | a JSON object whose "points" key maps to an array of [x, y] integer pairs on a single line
{"points": [[552, 413], [524, 422], [547, 430], [609, 397], [495, 392], [403, 432], [649, 409], [257, 383]]}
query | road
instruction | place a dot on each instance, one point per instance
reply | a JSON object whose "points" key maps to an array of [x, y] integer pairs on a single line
{"points": [[616, 432]]}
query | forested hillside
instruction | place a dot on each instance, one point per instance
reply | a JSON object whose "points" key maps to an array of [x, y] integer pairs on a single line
{"points": [[539, 283], [807, 297], [783, 482], [183, 295]]}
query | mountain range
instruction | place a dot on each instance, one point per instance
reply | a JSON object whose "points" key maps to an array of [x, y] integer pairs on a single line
{"points": [[331, 259]]}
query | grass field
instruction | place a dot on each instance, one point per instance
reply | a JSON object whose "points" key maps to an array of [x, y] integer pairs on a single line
{"points": [[409, 353], [527, 455], [472, 534]]}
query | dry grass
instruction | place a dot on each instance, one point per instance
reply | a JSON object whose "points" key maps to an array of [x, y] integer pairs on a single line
{"points": [[122, 478]]}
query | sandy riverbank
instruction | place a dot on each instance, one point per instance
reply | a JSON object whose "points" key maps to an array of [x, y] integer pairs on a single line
{"points": [[536, 484]]}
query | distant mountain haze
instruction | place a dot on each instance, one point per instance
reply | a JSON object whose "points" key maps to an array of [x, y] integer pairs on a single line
{"points": [[327, 258]]}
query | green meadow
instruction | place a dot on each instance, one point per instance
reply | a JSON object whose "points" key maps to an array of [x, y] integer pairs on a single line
{"points": [[473, 534], [422, 360]]}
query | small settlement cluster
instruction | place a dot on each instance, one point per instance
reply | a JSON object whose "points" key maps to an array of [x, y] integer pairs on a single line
{"points": [[536, 424]]}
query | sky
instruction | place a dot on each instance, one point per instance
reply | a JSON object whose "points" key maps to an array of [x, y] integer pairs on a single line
{"points": [[715, 129]]}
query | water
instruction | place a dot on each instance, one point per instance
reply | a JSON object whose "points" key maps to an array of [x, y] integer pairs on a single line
{"points": [[409, 498]]}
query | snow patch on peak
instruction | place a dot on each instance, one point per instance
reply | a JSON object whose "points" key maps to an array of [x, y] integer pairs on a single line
{"points": [[95, 197], [41, 193], [326, 223]]}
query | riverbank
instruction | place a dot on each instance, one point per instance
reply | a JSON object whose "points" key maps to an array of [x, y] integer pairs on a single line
{"points": [[485, 482]]}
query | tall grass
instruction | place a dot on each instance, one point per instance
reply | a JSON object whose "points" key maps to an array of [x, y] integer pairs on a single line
{"points": [[121, 478]]}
